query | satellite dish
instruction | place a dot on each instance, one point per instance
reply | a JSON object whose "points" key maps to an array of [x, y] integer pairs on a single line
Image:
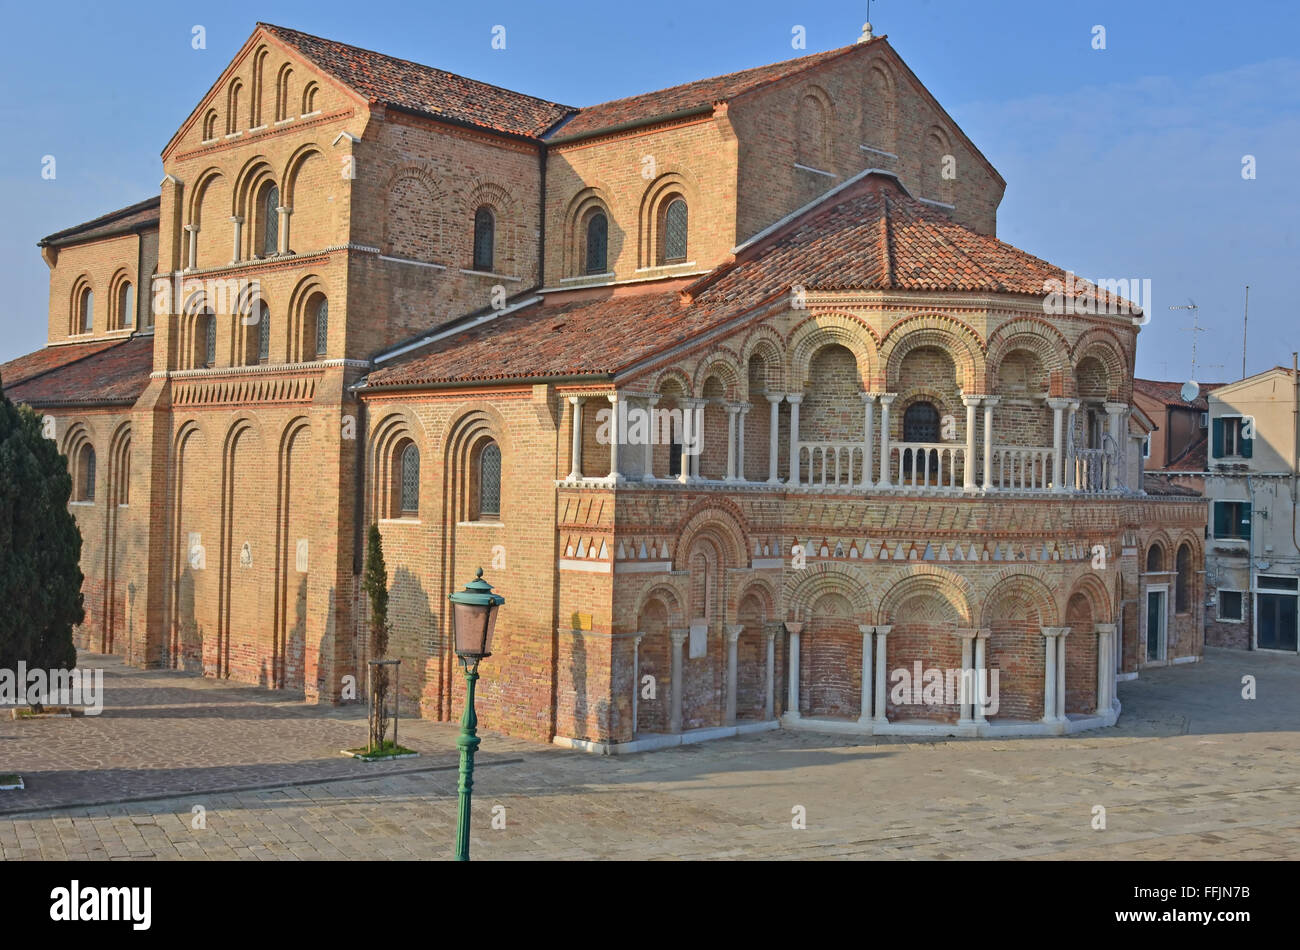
{"points": [[1191, 389]]}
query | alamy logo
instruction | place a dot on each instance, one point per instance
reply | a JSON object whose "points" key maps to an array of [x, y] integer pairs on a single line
{"points": [[950, 687], [133, 904], [24, 687], [1128, 297]]}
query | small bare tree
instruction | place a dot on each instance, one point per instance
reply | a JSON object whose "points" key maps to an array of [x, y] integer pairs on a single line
{"points": [[375, 584]]}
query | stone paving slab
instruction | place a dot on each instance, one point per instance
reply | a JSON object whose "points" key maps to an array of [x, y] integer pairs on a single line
{"points": [[1193, 771]]}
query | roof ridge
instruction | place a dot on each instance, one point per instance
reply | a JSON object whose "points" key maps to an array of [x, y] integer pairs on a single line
{"points": [[886, 242], [104, 218], [399, 59], [112, 344]]}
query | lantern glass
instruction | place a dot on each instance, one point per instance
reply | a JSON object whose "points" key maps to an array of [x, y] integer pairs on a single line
{"points": [[471, 624]]}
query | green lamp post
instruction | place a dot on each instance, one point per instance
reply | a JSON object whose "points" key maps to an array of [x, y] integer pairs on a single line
{"points": [[474, 616]]}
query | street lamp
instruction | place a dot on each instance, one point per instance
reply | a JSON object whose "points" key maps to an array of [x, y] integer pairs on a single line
{"points": [[474, 617]]}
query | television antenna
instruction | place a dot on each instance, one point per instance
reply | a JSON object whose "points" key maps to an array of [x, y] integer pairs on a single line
{"points": [[1191, 389]]}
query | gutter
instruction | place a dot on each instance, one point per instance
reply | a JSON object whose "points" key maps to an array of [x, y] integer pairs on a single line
{"points": [[362, 384]]}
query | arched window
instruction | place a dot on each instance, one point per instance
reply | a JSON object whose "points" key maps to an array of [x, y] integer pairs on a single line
{"points": [[309, 99], [489, 482], [1183, 587], [1155, 559], [209, 339], [210, 126], [810, 144], [322, 326], [597, 249], [484, 238], [264, 334], [148, 311], [86, 316], [270, 221], [409, 481], [126, 305], [86, 474], [921, 423], [675, 226]]}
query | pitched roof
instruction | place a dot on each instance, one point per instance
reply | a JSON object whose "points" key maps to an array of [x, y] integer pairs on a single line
{"points": [[1156, 484], [1170, 393], [424, 90], [699, 94], [114, 374], [143, 215], [48, 358], [875, 237]]}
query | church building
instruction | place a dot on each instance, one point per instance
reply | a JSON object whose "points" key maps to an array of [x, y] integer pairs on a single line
{"points": [[730, 388]]}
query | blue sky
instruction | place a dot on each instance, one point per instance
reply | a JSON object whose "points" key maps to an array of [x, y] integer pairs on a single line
{"points": [[1122, 162]]}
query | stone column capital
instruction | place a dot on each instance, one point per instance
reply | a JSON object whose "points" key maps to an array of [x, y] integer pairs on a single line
{"points": [[637, 638], [1105, 627], [678, 637], [795, 627], [990, 401], [770, 630], [283, 209], [774, 397], [1075, 404], [1115, 407], [869, 397], [733, 631], [966, 633], [612, 397], [734, 407], [236, 219], [653, 398], [192, 228], [745, 407], [1057, 402], [971, 401], [883, 630], [866, 629], [794, 398], [887, 398], [983, 632], [577, 400], [694, 402], [1052, 632]]}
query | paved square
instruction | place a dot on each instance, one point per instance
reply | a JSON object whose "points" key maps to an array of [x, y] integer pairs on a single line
{"points": [[1192, 771]]}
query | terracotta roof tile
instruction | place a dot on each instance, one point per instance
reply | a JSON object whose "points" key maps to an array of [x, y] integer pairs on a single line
{"points": [[839, 246], [113, 374], [697, 94], [141, 215], [1170, 393], [424, 89], [49, 358]]}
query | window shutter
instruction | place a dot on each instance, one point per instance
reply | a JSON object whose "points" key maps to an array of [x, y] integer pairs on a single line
{"points": [[1247, 445], [1221, 516], [1217, 448], [1245, 512]]}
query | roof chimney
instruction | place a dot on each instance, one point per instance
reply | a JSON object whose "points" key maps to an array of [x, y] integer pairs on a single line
{"points": [[866, 33]]}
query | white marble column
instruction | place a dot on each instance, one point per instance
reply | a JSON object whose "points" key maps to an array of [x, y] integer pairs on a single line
{"points": [[966, 694], [1071, 470], [698, 457], [733, 412], [868, 439], [981, 673], [192, 252], [769, 700], [989, 403], [1116, 412], [678, 639], [793, 628], [636, 678], [284, 245], [1049, 677], [864, 714], [615, 436], [886, 399], [651, 435], [238, 227], [968, 475], [878, 693], [1058, 407], [575, 451], [733, 631], [773, 435], [1062, 633], [1105, 666], [688, 438], [794, 399], [740, 443]]}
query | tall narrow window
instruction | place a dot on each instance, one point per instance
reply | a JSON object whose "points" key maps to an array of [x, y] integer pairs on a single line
{"points": [[489, 481], [86, 319], [210, 339], [86, 473], [1183, 587], [322, 326], [264, 334], [484, 238], [597, 243], [410, 480], [271, 222], [675, 232], [126, 305]]}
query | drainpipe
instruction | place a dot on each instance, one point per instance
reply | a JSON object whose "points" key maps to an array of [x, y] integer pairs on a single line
{"points": [[1295, 442], [1254, 613]]}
